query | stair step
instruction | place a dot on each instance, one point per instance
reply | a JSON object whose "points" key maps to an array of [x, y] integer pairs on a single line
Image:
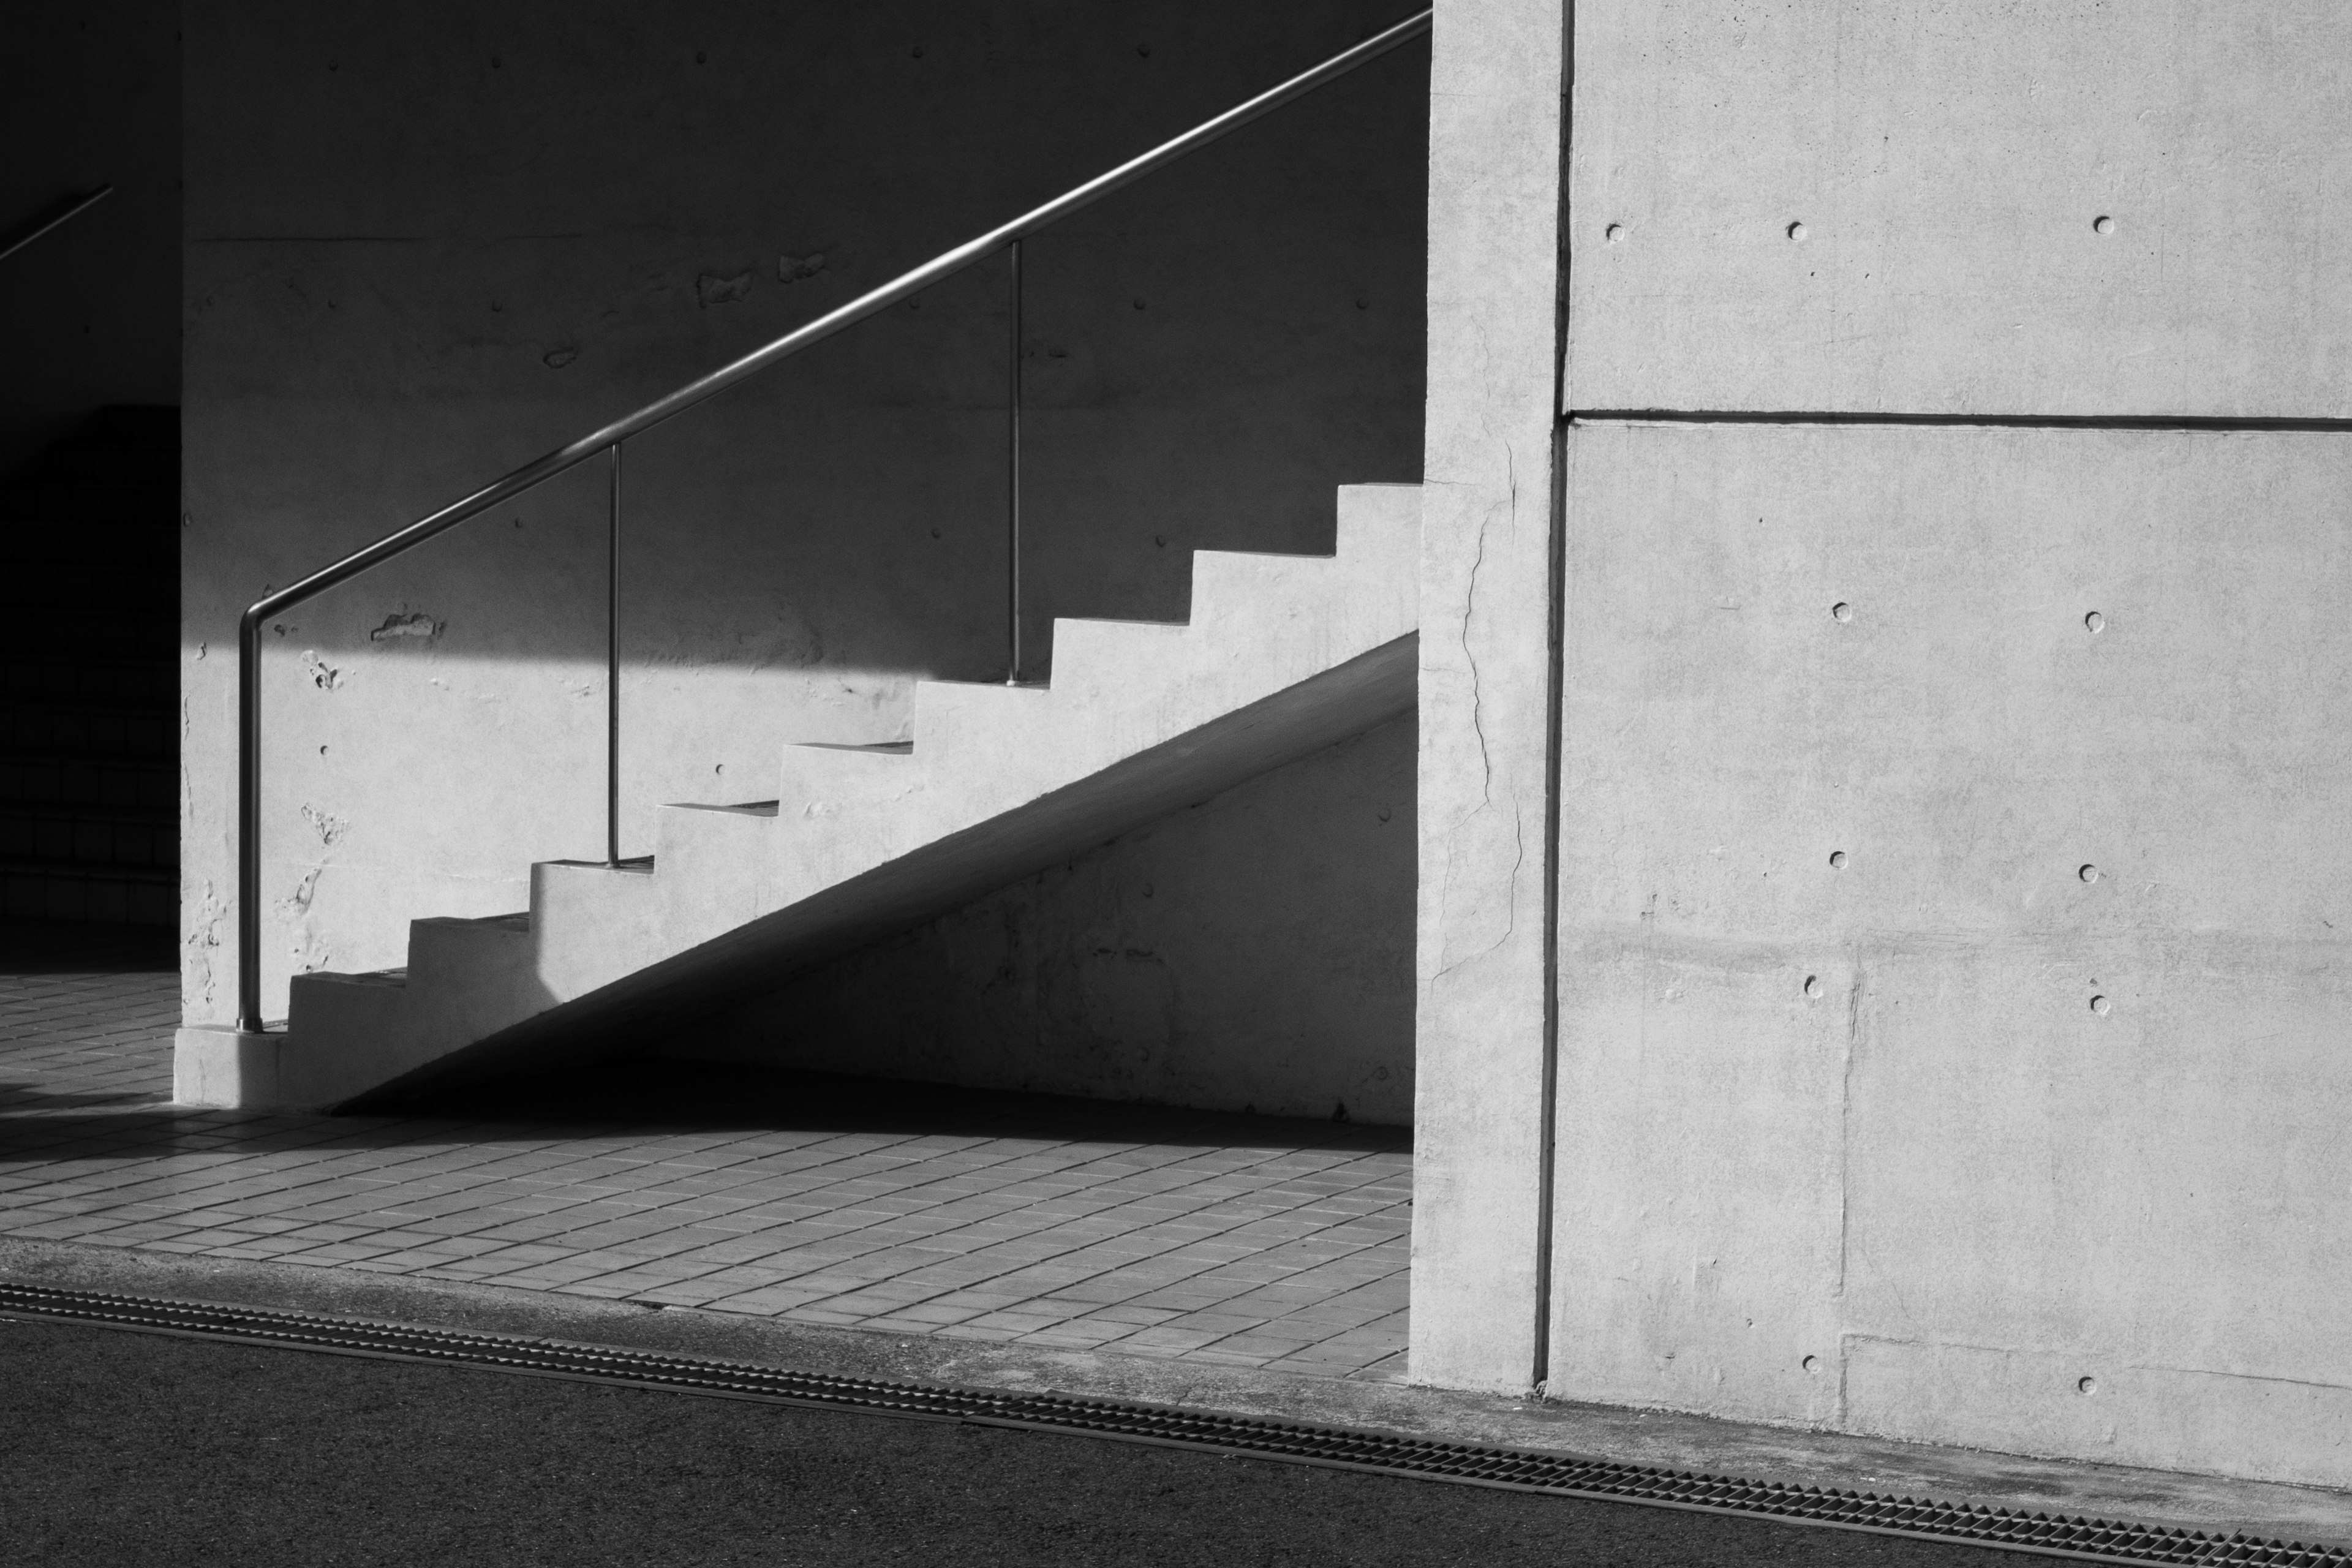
{"points": [[1095, 658], [949, 712]]}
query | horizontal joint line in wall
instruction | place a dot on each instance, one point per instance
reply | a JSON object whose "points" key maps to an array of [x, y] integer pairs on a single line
{"points": [[1987, 421]]}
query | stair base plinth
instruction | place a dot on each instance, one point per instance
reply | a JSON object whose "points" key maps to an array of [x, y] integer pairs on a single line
{"points": [[225, 1069]]}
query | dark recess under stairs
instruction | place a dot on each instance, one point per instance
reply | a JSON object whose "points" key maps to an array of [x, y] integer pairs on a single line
{"points": [[90, 552]]}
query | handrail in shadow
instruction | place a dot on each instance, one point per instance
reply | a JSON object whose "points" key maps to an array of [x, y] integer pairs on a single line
{"points": [[609, 439], [73, 210]]}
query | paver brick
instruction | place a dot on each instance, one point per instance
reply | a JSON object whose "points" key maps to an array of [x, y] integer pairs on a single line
{"points": [[1183, 1240]]}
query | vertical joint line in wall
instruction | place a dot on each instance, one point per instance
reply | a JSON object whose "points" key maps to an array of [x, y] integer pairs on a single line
{"points": [[1548, 1114], [1845, 1168], [1547, 1135]]}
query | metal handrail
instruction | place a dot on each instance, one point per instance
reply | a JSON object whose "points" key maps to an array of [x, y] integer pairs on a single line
{"points": [[609, 439], [75, 210]]}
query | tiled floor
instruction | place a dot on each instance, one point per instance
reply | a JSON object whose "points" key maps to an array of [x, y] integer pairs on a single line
{"points": [[1239, 1240]]}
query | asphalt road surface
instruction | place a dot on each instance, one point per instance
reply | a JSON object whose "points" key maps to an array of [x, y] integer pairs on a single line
{"points": [[131, 1449]]}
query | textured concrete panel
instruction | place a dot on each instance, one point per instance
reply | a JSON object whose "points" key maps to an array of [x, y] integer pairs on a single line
{"points": [[1946, 167], [1955, 908], [2279, 1428], [1494, 207]]}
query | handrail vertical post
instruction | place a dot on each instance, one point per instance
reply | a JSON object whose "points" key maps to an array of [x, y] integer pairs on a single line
{"points": [[1013, 484], [249, 824], [613, 670]]}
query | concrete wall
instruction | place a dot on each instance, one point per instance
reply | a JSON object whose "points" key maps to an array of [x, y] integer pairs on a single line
{"points": [[426, 244], [1951, 1032], [1952, 995], [1253, 952], [90, 311], [1498, 77], [1945, 170]]}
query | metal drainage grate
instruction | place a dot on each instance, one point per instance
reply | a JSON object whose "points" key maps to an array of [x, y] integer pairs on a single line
{"points": [[2091, 1540]]}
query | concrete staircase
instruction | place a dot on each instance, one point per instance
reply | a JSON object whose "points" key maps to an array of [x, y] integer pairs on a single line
{"points": [[1283, 655], [90, 784]]}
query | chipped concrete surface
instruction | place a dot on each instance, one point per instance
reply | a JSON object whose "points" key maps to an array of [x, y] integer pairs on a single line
{"points": [[709, 291], [417, 624]]}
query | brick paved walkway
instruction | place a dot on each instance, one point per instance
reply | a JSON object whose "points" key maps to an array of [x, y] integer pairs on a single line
{"points": [[1240, 1240]]}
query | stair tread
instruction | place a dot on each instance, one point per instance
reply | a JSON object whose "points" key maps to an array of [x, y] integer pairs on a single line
{"points": [[393, 978]]}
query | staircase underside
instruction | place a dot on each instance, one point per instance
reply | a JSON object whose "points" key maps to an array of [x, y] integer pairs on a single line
{"points": [[934, 878]]}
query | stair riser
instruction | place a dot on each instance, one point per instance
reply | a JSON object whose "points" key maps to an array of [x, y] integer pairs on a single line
{"points": [[594, 924], [1250, 603], [1094, 660], [465, 978]]}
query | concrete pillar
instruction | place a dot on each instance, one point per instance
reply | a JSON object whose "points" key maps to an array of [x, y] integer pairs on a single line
{"points": [[1496, 102]]}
